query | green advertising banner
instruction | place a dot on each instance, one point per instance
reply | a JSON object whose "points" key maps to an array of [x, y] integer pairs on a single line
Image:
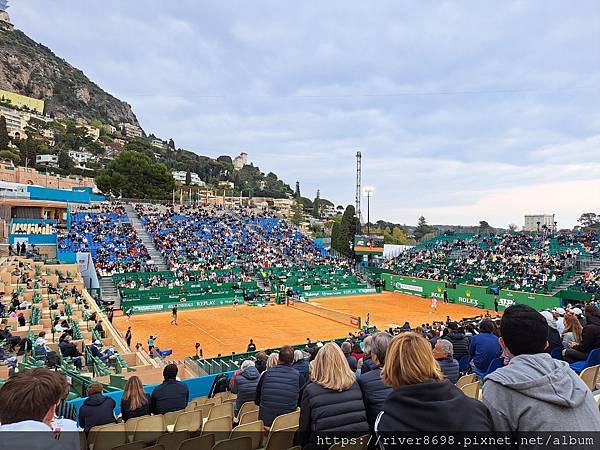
{"points": [[157, 307], [476, 296]]}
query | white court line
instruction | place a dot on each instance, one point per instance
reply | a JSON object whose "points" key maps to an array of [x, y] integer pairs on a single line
{"points": [[204, 331]]}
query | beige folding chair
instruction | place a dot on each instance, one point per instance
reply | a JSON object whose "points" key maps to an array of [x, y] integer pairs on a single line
{"points": [[173, 440], [106, 437], [137, 445], [171, 417], [222, 410], [281, 439], [246, 407], [189, 421], [472, 390], [149, 428], [254, 430], [204, 442], [360, 443], [205, 410], [285, 421], [242, 443], [466, 379], [590, 376], [130, 426], [248, 417], [220, 425]]}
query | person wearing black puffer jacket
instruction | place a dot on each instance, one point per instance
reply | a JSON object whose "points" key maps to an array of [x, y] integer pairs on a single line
{"points": [[244, 384], [97, 409], [460, 342], [278, 389], [367, 364], [422, 400], [374, 390], [332, 403]]}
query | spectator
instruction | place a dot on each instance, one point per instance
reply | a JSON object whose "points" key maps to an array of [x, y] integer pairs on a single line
{"points": [[332, 402], [422, 400], [572, 330], [261, 362], [374, 390], [272, 360], [590, 336], [444, 355], [484, 346], [244, 384], [279, 387], [367, 362], [28, 402], [536, 392], [97, 409], [357, 352], [135, 402], [301, 365], [69, 350], [251, 346], [347, 349], [170, 395], [554, 340], [460, 342], [128, 337]]}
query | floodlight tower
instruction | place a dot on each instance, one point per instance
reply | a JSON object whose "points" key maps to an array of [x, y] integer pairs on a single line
{"points": [[368, 191], [358, 186]]}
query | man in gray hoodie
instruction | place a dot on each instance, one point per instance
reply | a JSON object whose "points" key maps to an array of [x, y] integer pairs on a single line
{"points": [[536, 392]]}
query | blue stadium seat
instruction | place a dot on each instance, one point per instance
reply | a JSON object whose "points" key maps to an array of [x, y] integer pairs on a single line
{"points": [[495, 364], [592, 360]]}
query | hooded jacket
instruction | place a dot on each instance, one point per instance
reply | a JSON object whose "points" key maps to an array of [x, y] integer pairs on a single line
{"points": [[539, 393], [96, 410], [430, 407], [244, 386]]}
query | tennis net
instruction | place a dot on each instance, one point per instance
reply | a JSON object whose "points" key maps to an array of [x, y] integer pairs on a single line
{"points": [[337, 316]]}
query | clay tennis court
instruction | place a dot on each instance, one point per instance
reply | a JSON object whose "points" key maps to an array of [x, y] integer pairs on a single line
{"points": [[225, 330]]}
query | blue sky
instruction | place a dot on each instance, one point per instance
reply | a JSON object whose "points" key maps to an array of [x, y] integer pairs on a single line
{"points": [[463, 110]]}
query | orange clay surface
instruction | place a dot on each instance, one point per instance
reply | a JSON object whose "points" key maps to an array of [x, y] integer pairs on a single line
{"points": [[225, 329]]}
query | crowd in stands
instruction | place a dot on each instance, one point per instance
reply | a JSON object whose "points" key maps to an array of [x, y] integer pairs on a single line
{"points": [[401, 383], [589, 282], [108, 235], [212, 238], [517, 261]]}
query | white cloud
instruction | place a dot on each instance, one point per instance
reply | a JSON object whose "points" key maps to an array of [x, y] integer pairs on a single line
{"points": [[457, 106]]}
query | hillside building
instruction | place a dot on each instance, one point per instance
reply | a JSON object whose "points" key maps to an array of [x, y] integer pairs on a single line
{"points": [[545, 221], [240, 161]]}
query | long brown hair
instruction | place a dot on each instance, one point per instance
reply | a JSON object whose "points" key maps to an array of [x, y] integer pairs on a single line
{"points": [[409, 360], [134, 392], [573, 325]]}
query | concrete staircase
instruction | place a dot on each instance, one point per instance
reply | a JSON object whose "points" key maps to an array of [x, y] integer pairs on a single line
{"points": [[108, 291], [139, 228], [589, 266]]}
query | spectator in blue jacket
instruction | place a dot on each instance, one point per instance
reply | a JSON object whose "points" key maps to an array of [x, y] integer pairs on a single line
{"points": [[244, 384], [443, 352], [170, 395], [301, 365], [485, 346], [278, 390], [374, 390]]}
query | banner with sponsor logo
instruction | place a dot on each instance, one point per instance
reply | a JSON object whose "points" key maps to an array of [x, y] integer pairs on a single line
{"points": [[158, 307], [333, 293], [470, 295]]}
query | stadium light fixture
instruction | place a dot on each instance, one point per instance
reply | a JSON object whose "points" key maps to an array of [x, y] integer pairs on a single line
{"points": [[368, 192]]}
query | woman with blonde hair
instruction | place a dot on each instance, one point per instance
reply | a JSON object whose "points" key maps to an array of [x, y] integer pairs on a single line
{"points": [[573, 329], [272, 360], [332, 401], [135, 402], [422, 400]]}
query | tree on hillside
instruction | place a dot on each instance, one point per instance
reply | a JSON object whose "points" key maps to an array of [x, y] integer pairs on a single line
{"points": [[422, 228], [4, 137], [64, 161], [297, 193], [10, 156], [188, 178], [512, 227], [317, 205], [225, 160], [172, 143], [136, 175], [28, 150], [589, 221], [485, 227], [298, 216]]}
